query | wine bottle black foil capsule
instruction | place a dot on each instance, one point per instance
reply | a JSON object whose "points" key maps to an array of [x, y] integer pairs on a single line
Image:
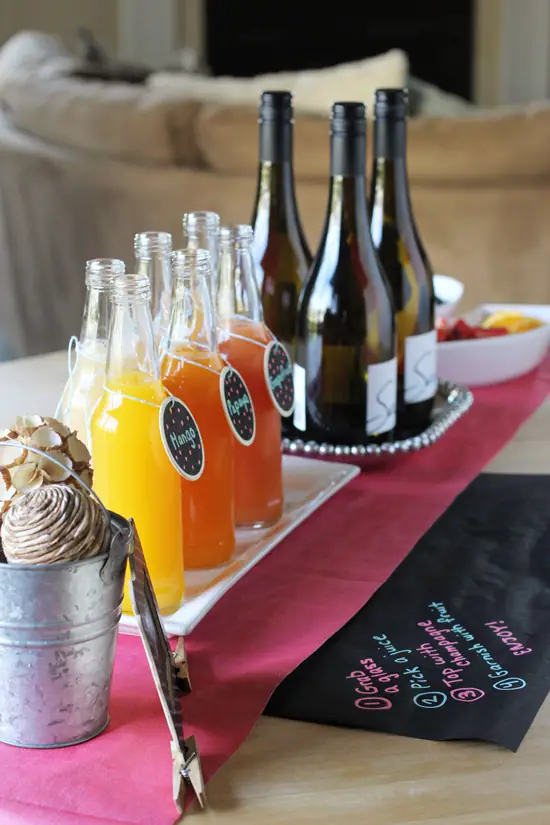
{"points": [[281, 254], [345, 371], [405, 262]]}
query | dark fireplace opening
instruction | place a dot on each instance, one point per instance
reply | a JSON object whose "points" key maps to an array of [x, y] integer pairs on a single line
{"points": [[245, 39]]}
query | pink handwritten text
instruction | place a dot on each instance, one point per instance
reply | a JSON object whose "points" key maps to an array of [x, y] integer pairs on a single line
{"points": [[507, 637]]}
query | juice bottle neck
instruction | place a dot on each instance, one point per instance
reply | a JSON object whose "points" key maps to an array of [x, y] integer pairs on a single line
{"points": [[237, 292], [96, 318], [157, 267], [100, 273], [192, 319], [200, 231], [131, 347]]}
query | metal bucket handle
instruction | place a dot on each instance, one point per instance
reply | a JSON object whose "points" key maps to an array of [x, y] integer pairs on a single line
{"points": [[13, 443]]}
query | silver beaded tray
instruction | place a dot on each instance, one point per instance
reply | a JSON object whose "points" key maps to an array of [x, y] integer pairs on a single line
{"points": [[451, 404]]}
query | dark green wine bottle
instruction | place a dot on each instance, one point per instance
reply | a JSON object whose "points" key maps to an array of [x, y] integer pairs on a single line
{"points": [[405, 262], [346, 370], [280, 250]]}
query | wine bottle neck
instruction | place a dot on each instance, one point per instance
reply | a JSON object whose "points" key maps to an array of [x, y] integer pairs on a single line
{"points": [[348, 156], [276, 194], [390, 139], [390, 182], [276, 142]]}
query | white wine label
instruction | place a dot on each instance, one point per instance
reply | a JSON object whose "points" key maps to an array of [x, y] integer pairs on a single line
{"points": [[420, 379], [299, 420], [381, 397]]}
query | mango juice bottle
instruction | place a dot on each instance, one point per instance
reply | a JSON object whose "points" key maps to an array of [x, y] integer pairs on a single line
{"points": [[191, 369], [133, 475], [243, 338]]}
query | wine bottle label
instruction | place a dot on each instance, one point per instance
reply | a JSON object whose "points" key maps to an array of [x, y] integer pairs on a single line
{"points": [[181, 438], [420, 376], [299, 419], [238, 406], [381, 397]]}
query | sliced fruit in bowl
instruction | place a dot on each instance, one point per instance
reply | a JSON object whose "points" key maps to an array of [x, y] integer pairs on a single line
{"points": [[494, 343]]}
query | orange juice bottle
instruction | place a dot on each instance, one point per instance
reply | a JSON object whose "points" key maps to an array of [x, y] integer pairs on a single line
{"points": [[133, 475], [191, 368], [243, 338]]}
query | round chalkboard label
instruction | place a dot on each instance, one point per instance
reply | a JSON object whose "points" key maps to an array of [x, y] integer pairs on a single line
{"points": [[278, 375], [181, 438], [238, 406]]}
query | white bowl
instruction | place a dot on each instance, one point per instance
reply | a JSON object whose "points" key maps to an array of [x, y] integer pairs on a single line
{"points": [[450, 291], [484, 361]]}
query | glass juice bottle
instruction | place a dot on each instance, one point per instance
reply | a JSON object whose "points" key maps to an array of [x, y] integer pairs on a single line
{"points": [[153, 252], [200, 231], [87, 377], [191, 367], [243, 337], [133, 475]]}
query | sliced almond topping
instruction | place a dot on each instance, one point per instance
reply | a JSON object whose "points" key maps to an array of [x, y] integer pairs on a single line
{"points": [[5, 485], [77, 450], [87, 477], [44, 438], [58, 427], [12, 454], [28, 423], [52, 471], [26, 477]]}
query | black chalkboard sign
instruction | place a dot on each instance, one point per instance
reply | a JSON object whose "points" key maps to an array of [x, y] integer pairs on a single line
{"points": [[181, 438], [166, 672], [238, 406], [278, 375], [456, 643]]}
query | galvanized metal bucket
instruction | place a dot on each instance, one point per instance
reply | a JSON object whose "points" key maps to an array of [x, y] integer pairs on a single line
{"points": [[58, 631]]}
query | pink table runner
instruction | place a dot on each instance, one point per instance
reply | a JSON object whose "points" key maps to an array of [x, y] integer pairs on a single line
{"points": [[275, 617]]}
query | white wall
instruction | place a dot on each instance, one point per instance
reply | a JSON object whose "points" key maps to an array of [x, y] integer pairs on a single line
{"points": [[61, 18], [512, 51]]}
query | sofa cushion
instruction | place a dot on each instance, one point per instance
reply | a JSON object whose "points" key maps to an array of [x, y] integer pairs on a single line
{"points": [[116, 120], [507, 143], [314, 90]]}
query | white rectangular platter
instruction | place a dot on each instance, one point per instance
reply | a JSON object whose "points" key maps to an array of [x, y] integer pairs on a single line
{"points": [[308, 484]]}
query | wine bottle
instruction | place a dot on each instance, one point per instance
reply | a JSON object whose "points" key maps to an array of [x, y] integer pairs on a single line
{"points": [[405, 262], [346, 370], [280, 250]]}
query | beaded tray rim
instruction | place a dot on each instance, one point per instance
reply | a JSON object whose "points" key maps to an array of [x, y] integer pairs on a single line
{"points": [[454, 402]]}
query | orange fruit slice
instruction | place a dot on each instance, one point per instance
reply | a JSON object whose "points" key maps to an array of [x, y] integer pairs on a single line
{"points": [[514, 322]]}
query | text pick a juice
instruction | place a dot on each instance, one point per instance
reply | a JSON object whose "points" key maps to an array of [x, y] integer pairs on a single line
{"points": [[193, 374], [134, 477], [258, 467]]}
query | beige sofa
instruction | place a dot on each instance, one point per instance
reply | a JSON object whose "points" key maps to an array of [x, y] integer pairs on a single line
{"points": [[85, 165]]}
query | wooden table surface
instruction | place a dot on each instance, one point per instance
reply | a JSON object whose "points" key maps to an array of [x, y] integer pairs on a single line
{"points": [[291, 772]]}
